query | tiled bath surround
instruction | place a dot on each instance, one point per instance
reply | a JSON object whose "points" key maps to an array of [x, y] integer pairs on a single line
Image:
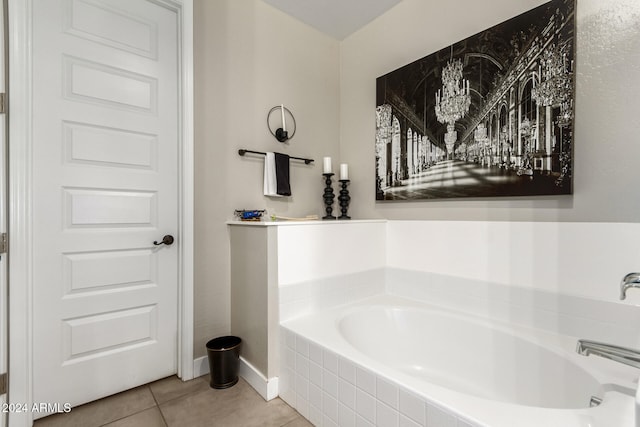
{"points": [[329, 390], [560, 277], [314, 295]]}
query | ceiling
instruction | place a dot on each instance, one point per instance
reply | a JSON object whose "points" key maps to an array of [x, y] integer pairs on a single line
{"points": [[336, 18]]}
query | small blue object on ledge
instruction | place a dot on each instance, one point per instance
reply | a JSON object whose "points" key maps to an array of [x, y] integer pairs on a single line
{"points": [[249, 215]]}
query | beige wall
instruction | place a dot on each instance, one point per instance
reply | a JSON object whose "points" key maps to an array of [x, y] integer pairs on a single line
{"points": [[250, 287], [606, 142], [250, 57]]}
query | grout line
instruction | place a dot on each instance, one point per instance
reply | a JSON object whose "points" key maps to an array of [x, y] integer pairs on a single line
{"points": [[155, 399], [298, 416], [182, 395], [129, 416], [134, 413], [142, 410], [159, 405], [154, 396], [164, 420]]}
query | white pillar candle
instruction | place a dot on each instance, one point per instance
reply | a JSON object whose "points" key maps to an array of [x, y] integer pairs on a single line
{"points": [[326, 163], [344, 171], [284, 123]]}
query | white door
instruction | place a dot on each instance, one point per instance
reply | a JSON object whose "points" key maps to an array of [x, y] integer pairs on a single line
{"points": [[105, 174]]}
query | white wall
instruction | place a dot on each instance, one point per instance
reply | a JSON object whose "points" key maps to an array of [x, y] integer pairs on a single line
{"points": [[318, 251], [606, 107], [578, 259], [329, 263], [250, 57]]}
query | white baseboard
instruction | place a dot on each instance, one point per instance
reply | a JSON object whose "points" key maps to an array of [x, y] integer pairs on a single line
{"points": [[200, 366], [267, 388]]}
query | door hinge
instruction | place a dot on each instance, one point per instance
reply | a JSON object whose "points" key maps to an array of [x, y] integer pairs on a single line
{"points": [[3, 103], [3, 383], [4, 243]]}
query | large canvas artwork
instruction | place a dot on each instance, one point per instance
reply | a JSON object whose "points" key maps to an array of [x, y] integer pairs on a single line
{"points": [[488, 116]]}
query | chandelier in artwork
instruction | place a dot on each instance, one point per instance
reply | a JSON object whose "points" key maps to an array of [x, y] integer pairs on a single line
{"points": [[566, 113], [556, 82], [383, 127], [453, 100], [450, 138], [480, 134]]}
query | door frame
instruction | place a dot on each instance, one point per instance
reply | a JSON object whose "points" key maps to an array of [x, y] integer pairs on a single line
{"points": [[20, 201], [4, 292]]}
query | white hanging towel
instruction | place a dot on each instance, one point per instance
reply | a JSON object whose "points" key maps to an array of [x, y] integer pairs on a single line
{"points": [[270, 179]]}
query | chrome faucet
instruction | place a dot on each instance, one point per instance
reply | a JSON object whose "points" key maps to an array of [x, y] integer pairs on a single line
{"points": [[628, 356], [631, 280]]}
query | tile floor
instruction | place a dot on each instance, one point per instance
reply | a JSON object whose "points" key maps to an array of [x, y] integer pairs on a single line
{"points": [[171, 402]]}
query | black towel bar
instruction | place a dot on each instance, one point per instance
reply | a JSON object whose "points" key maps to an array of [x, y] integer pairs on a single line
{"points": [[242, 152]]}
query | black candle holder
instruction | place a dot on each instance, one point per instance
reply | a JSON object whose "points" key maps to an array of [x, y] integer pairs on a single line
{"points": [[328, 196], [282, 135], [344, 199]]}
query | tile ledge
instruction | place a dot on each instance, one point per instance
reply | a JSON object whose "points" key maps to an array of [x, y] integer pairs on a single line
{"points": [[315, 222]]}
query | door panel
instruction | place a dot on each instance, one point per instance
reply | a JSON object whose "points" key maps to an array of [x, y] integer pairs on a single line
{"points": [[102, 146], [105, 132]]}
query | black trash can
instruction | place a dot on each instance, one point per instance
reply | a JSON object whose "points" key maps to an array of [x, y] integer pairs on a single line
{"points": [[224, 361]]}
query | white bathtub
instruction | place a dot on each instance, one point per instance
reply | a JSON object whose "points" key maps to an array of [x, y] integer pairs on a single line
{"points": [[445, 369]]}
